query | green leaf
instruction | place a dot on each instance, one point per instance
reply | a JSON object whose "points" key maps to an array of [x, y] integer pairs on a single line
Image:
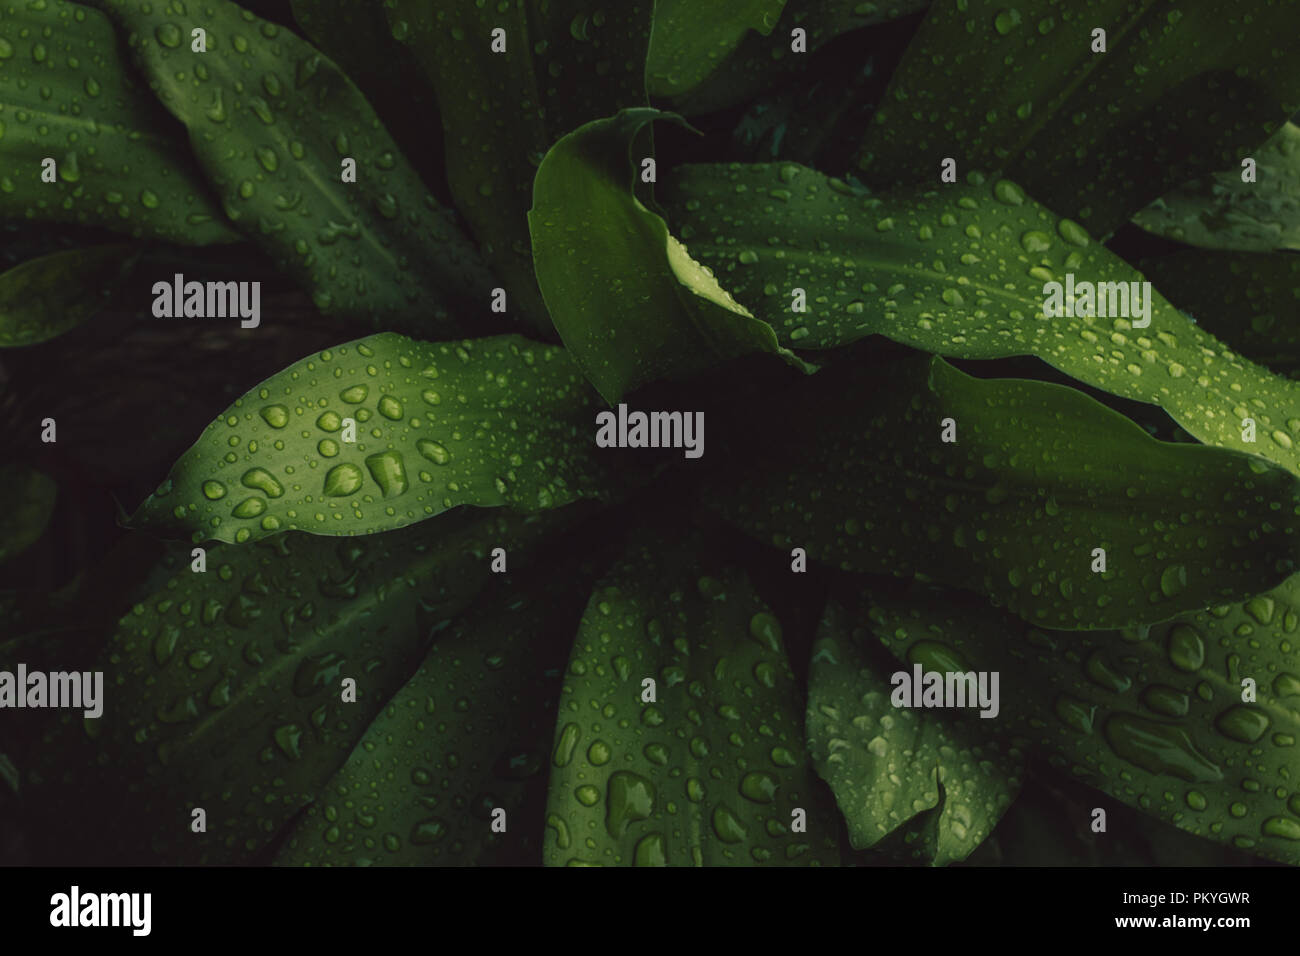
{"points": [[223, 689], [467, 733], [1095, 136], [498, 421], [888, 765], [628, 301], [358, 38], [271, 121], [67, 94], [1222, 212], [961, 271], [712, 771], [565, 63], [1248, 299], [44, 297], [31, 497], [689, 40], [1038, 477], [1153, 717], [763, 61]]}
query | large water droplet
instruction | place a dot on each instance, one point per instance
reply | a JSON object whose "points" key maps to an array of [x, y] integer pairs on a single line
{"points": [[389, 472], [343, 479], [1159, 748]]}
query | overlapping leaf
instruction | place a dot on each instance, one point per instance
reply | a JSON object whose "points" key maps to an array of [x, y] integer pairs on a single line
{"points": [[564, 63], [888, 765], [31, 502], [489, 422], [271, 121], [467, 734], [712, 770], [1154, 717], [68, 94], [1093, 135], [628, 301], [689, 40], [1221, 211], [762, 60], [224, 688], [1038, 477], [51, 294], [962, 270]]}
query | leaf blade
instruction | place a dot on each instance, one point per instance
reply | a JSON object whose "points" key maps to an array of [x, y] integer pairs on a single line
{"points": [[487, 422], [1039, 476]]}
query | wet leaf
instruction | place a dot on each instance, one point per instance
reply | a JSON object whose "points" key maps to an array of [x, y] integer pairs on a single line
{"points": [[711, 772], [1092, 135], [223, 690], [565, 63], [1153, 717], [1222, 212], [467, 734], [490, 422], [690, 40], [890, 765], [52, 294], [762, 61], [67, 93], [272, 121], [1038, 477], [628, 301], [963, 271]]}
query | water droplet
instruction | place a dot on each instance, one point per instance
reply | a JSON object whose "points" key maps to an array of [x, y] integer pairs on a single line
{"points": [[259, 479], [1008, 192], [277, 416], [726, 826], [1173, 580], [629, 797], [354, 395], [342, 480], [389, 472], [249, 508], [758, 786], [650, 851], [1242, 722], [1186, 649], [1006, 21], [1035, 241], [390, 408], [428, 831], [212, 490], [565, 746], [1159, 748], [766, 629], [168, 34], [1283, 827], [1072, 232]]}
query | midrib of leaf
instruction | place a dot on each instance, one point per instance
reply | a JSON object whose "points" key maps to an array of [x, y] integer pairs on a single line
{"points": [[331, 195], [96, 127]]}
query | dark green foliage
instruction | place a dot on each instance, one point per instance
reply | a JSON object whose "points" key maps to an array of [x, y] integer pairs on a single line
{"points": [[413, 612]]}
